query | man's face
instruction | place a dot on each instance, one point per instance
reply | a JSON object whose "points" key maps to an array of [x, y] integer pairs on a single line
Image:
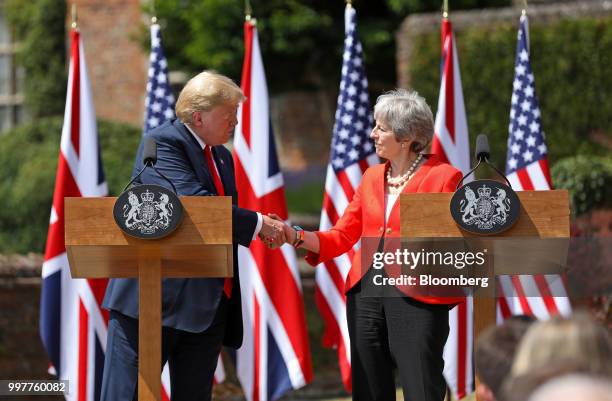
{"points": [[215, 127]]}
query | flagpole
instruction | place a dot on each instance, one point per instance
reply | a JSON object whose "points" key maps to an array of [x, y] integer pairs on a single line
{"points": [[248, 10], [74, 17], [153, 13], [445, 9]]}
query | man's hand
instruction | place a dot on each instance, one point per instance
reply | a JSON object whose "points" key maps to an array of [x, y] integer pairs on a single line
{"points": [[272, 232], [287, 229]]}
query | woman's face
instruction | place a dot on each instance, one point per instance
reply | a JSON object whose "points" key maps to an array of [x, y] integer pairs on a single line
{"points": [[386, 145]]}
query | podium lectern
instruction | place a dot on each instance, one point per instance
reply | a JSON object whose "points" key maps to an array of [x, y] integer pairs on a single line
{"points": [[543, 214], [200, 247]]}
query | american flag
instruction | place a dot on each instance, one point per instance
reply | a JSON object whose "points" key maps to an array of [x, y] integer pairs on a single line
{"points": [[451, 144], [275, 355], [159, 107], [527, 169], [73, 325], [352, 152], [526, 163], [159, 103]]}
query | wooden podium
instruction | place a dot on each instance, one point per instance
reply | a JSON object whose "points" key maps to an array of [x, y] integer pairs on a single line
{"points": [[200, 247], [543, 214]]}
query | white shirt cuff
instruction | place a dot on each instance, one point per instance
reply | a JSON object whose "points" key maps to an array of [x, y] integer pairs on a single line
{"points": [[259, 224]]}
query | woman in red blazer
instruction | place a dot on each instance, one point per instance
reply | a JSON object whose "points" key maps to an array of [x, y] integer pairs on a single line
{"points": [[387, 331]]}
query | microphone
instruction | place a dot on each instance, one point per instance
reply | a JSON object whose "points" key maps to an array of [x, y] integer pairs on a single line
{"points": [[483, 153], [149, 158], [149, 153], [482, 148]]}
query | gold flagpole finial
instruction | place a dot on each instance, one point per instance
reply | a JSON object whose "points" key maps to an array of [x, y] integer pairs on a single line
{"points": [[248, 10], [524, 11], [74, 16], [349, 3], [445, 9], [153, 13]]}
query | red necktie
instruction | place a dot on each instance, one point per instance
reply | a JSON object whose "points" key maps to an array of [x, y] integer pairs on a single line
{"points": [[213, 171], [227, 286]]}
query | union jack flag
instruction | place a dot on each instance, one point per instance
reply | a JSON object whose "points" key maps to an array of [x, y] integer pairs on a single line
{"points": [[73, 325], [352, 152], [275, 355], [527, 169], [451, 144]]}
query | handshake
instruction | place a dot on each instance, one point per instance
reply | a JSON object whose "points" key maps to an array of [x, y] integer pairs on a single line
{"points": [[274, 232]]}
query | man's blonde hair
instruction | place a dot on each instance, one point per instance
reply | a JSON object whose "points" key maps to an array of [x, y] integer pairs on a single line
{"points": [[204, 92]]}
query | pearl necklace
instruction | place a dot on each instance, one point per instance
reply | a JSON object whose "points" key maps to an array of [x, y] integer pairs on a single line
{"points": [[398, 182]]}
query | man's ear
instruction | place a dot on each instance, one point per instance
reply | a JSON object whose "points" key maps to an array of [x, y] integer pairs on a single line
{"points": [[196, 118]]}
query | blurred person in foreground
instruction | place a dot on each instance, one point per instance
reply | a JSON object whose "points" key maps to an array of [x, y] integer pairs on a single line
{"points": [[556, 348], [199, 315], [399, 330], [494, 353], [574, 388]]}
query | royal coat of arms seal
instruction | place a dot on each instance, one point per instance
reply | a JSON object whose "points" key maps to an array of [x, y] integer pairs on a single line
{"points": [[148, 211], [485, 207]]}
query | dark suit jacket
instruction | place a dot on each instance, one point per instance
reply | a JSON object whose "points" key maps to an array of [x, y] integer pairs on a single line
{"points": [[189, 304]]}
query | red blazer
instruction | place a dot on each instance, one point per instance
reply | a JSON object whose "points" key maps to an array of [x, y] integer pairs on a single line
{"points": [[364, 217]]}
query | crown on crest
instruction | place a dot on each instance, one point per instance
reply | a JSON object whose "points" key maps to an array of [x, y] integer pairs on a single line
{"points": [[484, 191], [149, 196]]}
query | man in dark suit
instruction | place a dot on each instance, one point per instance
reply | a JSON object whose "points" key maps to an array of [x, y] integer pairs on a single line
{"points": [[198, 315]]}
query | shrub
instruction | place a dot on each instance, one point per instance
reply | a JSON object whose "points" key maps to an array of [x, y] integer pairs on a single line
{"points": [[29, 156], [588, 179]]}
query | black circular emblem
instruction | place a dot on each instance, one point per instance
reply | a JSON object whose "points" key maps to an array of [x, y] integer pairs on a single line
{"points": [[148, 211], [485, 207]]}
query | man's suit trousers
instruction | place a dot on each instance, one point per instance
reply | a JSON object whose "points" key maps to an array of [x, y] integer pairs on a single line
{"points": [[192, 358]]}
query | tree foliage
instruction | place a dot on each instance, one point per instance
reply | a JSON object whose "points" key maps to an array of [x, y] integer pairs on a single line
{"points": [[301, 41], [418, 6], [38, 25], [29, 157]]}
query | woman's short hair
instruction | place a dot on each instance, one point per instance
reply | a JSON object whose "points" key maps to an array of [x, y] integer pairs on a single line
{"points": [[408, 115], [204, 92]]}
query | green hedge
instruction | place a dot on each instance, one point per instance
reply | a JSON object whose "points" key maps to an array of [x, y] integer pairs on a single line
{"points": [[589, 180], [29, 156], [571, 62]]}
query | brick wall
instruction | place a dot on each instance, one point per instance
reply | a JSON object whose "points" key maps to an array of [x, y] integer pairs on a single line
{"points": [[21, 352], [116, 62], [303, 123]]}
